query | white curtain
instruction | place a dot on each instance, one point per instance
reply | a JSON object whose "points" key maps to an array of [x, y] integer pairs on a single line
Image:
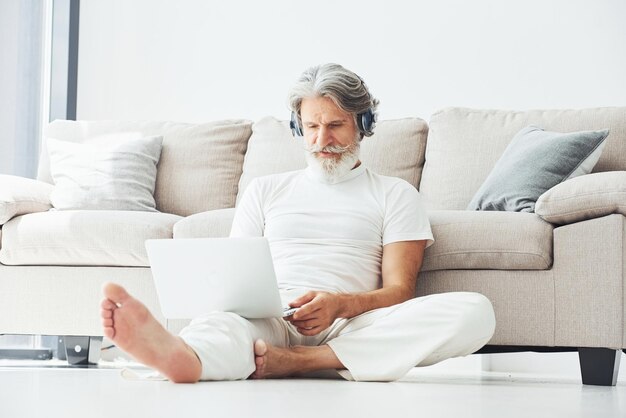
{"points": [[21, 100]]}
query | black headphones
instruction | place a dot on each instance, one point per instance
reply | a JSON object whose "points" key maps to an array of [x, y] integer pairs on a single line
{"points": [[366, 122]]}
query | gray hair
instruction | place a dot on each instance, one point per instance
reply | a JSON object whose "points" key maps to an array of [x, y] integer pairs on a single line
{"points": [[346, 89]]}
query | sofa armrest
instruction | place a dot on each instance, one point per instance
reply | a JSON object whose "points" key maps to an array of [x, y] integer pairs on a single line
{"points": [[211, 224], [20, 195], [585, 197]]}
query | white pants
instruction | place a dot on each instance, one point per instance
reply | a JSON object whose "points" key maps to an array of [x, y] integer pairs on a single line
{"points": [[379, 345]]}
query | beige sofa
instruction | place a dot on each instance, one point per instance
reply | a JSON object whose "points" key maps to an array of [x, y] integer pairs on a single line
{"points": [[555, 285]]}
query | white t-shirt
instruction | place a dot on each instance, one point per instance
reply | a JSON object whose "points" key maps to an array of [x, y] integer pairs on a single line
{"points": [[330, 236]]}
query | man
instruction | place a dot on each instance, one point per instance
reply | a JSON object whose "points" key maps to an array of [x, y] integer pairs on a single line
{"points": [[347, 247]]}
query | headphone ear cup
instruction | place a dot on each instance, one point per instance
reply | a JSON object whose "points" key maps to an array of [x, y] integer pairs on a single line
{"points": [[294, 124], [367, 121]]}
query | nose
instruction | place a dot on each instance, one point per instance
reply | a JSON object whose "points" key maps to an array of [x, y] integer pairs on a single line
{"points": [[324, 136]]}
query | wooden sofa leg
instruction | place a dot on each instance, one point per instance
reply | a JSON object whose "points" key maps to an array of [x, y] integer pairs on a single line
{"points": [[599, 366], [81, 350]]}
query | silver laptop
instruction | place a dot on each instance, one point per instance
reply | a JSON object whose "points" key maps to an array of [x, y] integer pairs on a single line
{"points": [[196, 276]]}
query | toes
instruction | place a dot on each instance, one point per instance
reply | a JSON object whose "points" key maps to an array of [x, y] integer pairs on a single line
{"points": [[260, 348], [115, 293], [107, 304], [257, 374], [109, 332]]}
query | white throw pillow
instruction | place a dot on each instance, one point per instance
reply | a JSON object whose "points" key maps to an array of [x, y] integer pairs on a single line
{"points": [[109, 172]]}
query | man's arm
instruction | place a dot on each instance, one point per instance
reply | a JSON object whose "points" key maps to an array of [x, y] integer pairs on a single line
{"points": [[401, 262]]}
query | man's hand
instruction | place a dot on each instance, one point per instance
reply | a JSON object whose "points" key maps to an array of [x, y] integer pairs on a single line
{"points": [[317, 311]]}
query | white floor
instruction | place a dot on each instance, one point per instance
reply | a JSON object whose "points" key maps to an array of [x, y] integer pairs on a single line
{"points": [[102, 392]]}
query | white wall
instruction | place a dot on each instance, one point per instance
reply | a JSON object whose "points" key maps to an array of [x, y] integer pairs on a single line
{"points": [[198, 60]]}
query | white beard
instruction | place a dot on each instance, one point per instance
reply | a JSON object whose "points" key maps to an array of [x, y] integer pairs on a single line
{"points": [[333, 168]]}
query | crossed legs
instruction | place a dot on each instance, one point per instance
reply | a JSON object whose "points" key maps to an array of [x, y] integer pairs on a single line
{"points": [[380, 345], [131, 326]]}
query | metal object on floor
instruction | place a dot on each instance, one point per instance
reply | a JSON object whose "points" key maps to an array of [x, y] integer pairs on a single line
{"points": [[26, 353], [61, 348], [81, 350]]}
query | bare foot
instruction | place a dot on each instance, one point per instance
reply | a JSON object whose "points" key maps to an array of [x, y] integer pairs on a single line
{"points": [[131, 326], [273, 362]]}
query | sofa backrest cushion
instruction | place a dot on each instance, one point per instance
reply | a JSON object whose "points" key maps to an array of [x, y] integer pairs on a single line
{"points": [[200, 164], [465, 144], [396, 149]]}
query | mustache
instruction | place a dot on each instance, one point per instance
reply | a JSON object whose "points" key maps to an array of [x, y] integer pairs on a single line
{"points": [[335, 149]]}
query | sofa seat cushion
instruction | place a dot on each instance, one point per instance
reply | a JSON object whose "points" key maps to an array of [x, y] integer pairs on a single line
{"points": [[488, 240], [211, 224], [83, 238]]}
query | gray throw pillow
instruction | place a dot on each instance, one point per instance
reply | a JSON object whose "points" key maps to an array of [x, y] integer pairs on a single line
{"points": [[535, 161], [110, 172]]}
